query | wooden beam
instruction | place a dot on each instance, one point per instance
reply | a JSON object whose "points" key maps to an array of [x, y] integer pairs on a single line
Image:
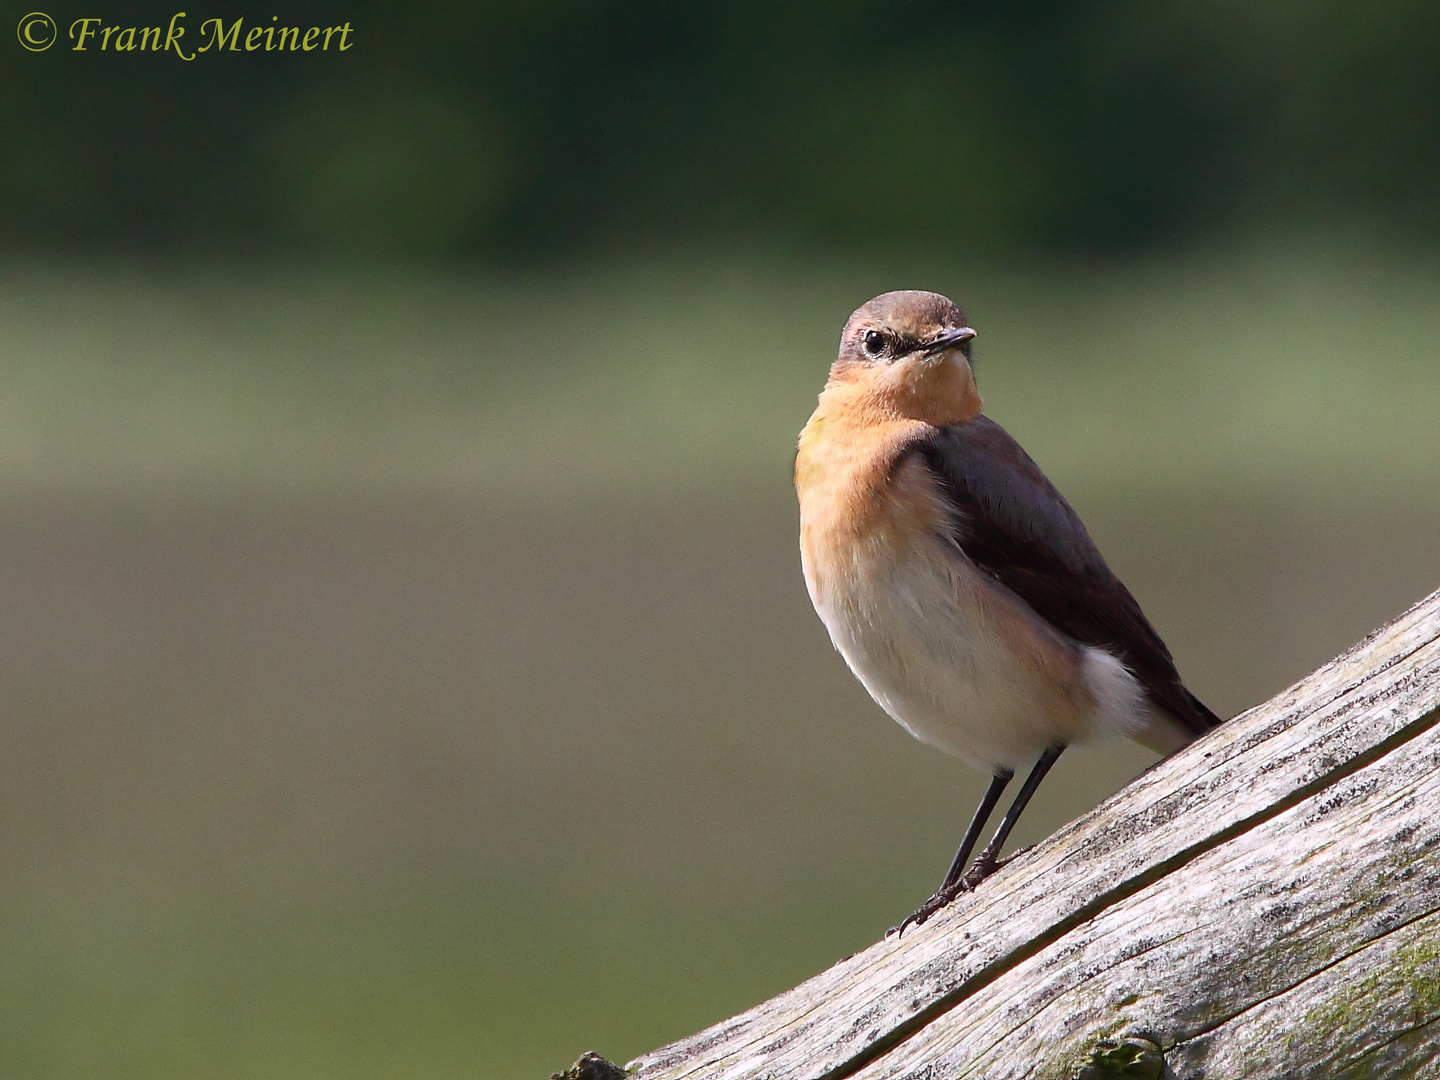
{"points": [[1264, 903]]}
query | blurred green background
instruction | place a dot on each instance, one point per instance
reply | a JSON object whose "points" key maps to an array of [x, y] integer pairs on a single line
{"points": [[405, 663]]}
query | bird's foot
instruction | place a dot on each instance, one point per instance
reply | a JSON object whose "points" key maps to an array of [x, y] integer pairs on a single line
{"points": [[980, 869], [985, 865], [931, 906]]}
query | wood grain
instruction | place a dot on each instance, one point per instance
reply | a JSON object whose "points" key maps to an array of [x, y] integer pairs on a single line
{"points": [[1260, 904]]}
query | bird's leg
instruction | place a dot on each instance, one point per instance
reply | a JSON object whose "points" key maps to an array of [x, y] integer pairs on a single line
{"points": [[988, 861], [952, 886]]}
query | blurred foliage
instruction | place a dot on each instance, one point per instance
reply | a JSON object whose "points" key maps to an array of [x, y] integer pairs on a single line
{"points": [[496, 130]]}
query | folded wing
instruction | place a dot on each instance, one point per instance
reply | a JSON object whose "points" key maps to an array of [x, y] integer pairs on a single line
{"points": [[1013, 524]]}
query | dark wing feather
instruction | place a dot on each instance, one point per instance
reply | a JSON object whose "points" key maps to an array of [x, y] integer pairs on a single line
{"points": [[1012, 523]]}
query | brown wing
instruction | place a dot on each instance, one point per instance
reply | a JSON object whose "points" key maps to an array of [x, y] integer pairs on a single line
{"points": [[1012, 523]]}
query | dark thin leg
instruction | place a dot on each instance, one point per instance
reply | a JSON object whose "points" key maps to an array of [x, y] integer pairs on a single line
{"points": [[977, 823], [952, 885], [988, 861]]}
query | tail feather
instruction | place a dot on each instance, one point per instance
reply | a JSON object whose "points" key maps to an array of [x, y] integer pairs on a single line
{"points": [[1207, 720], [1167, 732]]}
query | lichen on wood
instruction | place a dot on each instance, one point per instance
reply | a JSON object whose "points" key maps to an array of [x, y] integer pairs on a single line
{"points": [[1136, 1057], [591, 1066]]}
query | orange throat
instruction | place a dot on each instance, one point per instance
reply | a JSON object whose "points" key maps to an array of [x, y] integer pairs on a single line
{"points": [[932, 392], [864, 418]]}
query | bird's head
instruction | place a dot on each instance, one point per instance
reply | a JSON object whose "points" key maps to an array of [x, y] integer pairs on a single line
{"points": [[909, 354]]}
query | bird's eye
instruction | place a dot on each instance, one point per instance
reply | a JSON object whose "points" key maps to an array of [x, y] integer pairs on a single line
{"points": [[873, 342]]}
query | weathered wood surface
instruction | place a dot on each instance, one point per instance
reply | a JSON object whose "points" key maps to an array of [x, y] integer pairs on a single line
{"points": [[1265, 903]]}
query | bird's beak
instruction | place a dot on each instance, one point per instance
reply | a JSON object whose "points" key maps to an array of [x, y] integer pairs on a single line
{"points": [[950, 339]]}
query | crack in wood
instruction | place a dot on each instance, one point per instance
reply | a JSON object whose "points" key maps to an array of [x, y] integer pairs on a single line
{"points": [[1433, 1021], [1368, 943], [917, 1023]]}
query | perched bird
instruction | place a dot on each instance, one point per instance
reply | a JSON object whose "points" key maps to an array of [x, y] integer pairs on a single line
{"points": [[957, 583]]}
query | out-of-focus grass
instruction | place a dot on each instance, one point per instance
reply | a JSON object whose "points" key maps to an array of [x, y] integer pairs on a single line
{"points": [[1292, 370], [411, 676]]}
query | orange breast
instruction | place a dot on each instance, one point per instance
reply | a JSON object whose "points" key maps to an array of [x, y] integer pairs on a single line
{"points": [[957, 659], [856, 510]]}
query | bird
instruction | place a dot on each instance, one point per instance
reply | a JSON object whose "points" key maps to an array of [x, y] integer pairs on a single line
{"points": [[960, 587]]}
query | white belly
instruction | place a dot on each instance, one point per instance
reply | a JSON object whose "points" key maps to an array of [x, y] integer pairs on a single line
{"points": [[963, 664]]}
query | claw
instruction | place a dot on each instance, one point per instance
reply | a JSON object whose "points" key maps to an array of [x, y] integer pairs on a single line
{"points": [[983, 866], [930, 907]]}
